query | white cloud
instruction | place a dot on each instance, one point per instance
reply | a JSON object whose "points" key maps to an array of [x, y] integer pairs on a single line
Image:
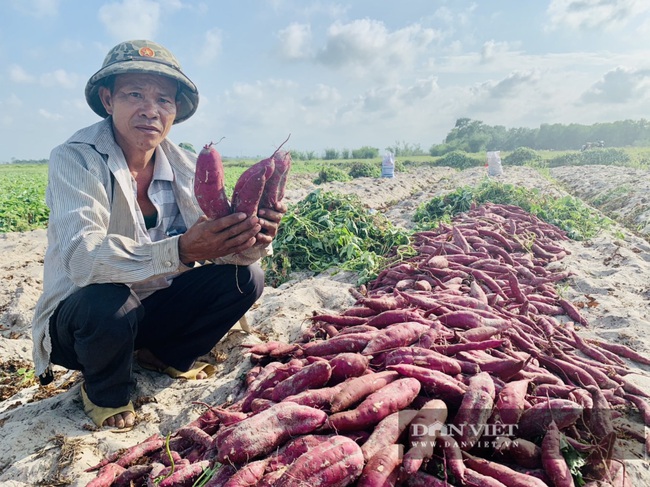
{"points": [[493, 49], [384, 99], [295, 41], [509, 85], [360, 41], [49, 115], [496, 97], [444, 14], [420, 90], [595, 14], [261, 94], [322, 95], [389, 101], [60, 77], [619, 85], [396, 98], [37, 8], [211, 47], [131, 19], [18, 74], [367, 44]]}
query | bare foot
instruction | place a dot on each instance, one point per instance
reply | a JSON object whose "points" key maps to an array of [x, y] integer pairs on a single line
{"points": [[146, 358], [121, 420], [201, 375]]}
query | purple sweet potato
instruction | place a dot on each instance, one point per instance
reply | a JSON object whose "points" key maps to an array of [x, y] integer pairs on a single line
{"points": [[382, 303], [274, 186], [342, 321], [453, 456], [554, 463], [262, 433], [535, 420], [502, 473], [475, 410], [209, 186], [387, 432], [311, 376], [270, 376], [186, 475], [249, 474], [396, 335], [315, 398], [250, 186], [195, 435], [509, 404], [423, 479], [434, 381], [358, 388], [107, 475], [392, 316], [352, 342], [270, 479], [133, 475], [383, 467], [600, 415], [220, 476], [521, 452], [423, 357], [337, 462], [423, 434], [290, 452], [391, 398], [346, 365]]}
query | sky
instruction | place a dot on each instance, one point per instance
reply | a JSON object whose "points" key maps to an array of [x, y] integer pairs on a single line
{"points": [[331, 74]]}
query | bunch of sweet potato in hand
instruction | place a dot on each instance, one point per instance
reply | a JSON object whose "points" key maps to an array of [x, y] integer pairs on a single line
{"points": [[260, 186]]}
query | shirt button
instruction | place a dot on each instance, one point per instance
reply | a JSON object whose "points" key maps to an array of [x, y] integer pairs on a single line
{"points": [[168, 263]]}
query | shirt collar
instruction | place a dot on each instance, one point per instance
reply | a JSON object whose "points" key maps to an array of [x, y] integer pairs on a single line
{"points": [[162, 169]]}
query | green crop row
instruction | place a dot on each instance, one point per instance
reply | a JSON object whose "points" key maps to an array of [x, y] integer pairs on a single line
{"points": [[22, 197]]}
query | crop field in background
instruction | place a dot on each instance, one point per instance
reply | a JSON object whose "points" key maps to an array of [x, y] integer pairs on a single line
{"points": [[22, 197], [22, 186]]}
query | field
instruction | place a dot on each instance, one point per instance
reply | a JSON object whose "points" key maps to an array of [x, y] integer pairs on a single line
{"points": [[48, 440], [22, 199]]}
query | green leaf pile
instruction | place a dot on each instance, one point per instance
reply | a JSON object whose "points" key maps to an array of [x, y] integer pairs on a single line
{"points": [[326, 230], [579, 220]]}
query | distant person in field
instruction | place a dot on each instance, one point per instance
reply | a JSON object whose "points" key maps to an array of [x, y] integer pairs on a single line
{"points": [[134, 271]]}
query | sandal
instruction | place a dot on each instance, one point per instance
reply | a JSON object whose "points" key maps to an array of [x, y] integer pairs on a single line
{"points": [[100, 414], [174, 373]]}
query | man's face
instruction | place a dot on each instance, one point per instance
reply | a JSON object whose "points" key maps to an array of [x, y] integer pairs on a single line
{"points": [[143, 107]]}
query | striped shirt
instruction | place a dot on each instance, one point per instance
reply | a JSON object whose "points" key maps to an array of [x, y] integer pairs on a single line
{"points": [[169, 221], [96, 232]]}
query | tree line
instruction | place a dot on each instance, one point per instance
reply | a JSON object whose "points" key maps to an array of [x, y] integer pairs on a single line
{"points": [[474, 136]]}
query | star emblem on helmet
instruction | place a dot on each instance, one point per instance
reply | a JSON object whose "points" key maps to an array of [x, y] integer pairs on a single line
{"points": [[146, 52]]}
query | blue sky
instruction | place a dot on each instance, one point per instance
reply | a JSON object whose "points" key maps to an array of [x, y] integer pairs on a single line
{"points": [[339, 75]]}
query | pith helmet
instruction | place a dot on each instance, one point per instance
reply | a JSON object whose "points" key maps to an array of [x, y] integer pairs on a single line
{"points": [[142, 56]]}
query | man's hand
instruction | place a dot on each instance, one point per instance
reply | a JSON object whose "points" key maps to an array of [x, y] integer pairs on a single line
{"points": [[211, 239], [269, 219]]}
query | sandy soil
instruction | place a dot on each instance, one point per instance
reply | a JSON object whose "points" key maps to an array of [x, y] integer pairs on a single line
{"points": [[47, 439]]}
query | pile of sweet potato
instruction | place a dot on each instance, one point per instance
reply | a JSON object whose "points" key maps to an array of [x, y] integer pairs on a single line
{"points": [[262, 185], [461, 366]]}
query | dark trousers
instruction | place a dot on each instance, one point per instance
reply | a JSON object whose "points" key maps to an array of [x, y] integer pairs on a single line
{"points": [[97, 329]]}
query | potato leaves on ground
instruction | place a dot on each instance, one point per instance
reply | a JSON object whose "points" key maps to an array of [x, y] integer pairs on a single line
{"points": [[568, 213], [330, 230]]}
